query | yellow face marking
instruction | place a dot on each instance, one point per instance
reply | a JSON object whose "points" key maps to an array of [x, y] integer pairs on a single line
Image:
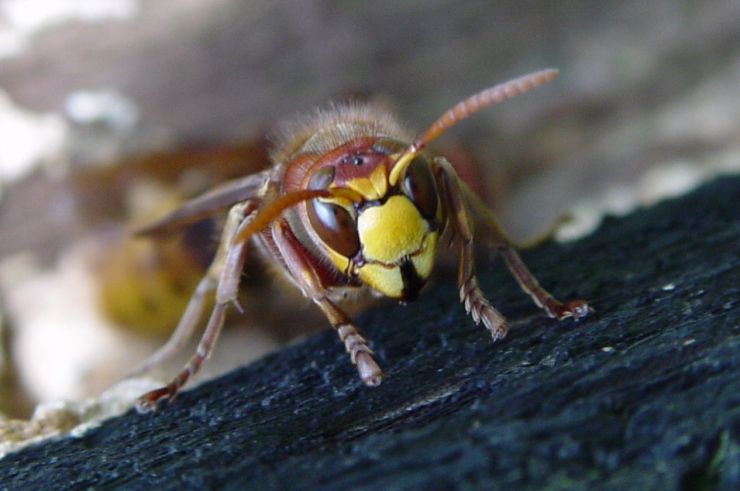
{"points": [[373, 187], [379, 181], [424, 261], [386, 280], [390, 231], [340, 261]]}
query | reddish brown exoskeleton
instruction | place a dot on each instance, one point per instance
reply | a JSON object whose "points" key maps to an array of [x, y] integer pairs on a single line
{"points": [[349, 203]]}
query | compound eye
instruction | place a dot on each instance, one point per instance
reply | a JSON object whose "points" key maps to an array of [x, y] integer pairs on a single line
{"points": [[335, 227], [418, 185], [333, 223], [322, 178]]}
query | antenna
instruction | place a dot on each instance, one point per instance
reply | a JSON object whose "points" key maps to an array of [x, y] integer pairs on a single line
{"points": [[468, 107]]}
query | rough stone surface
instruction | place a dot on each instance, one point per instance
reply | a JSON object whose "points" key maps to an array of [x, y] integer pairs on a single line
{"points": [[643, 395]]}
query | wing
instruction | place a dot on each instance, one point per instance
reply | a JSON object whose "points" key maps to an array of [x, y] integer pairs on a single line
{"points": [[223, 196]]}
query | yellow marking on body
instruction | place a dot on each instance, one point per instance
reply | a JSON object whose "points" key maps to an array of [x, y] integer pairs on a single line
{"points": [[379, 181], [340, 261], [424, 260], [346, 195], [343, 197], [387, 279], [373, 187], [383, 279], [363, 186], [390, 231]]}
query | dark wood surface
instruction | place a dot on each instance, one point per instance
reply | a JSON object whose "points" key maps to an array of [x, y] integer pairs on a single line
{"points": [[643, 395]]}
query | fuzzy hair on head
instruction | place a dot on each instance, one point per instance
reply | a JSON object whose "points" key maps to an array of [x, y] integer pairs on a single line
{"points": [[327, 128]]}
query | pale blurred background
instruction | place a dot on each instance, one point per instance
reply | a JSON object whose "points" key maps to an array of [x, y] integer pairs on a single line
{"points": [[647, 106]]}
